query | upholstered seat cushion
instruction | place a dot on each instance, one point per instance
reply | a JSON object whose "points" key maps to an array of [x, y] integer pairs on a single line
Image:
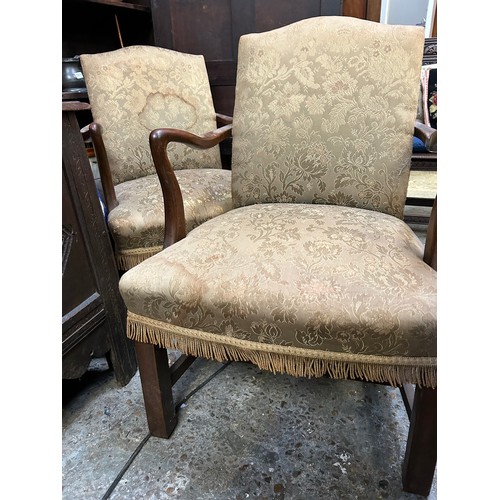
{"points": [[302, 289], [137, 223]]}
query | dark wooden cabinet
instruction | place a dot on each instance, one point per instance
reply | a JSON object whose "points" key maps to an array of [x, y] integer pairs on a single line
{"points": [[93, 313]]}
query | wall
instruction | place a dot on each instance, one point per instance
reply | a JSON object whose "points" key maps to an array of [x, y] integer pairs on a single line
{"points": [[403, 11]]}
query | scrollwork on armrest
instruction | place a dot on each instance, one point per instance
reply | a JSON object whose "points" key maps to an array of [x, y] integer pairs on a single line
{"points": [[175, 221], [103, 164], [427, 135]]}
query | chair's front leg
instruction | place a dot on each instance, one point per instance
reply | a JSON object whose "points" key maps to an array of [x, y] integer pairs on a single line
{"points": [[156, 389], [421, 448]]}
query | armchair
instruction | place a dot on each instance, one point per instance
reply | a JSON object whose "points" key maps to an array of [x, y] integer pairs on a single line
{"points": [[313, 273], [132, 91]]}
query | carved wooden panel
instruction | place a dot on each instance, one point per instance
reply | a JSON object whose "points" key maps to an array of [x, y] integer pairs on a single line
{"points": [[93, 313], [78, 281]]}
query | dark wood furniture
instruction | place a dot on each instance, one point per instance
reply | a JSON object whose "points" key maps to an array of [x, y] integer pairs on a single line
{"points": [[91, 26], [93, 313]]}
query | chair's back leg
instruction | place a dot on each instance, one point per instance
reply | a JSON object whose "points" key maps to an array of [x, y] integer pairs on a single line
{"points": [[421, 448], [157, 389]]}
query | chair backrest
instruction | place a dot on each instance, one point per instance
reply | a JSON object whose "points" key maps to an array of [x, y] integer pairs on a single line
{"points": [[136, 89], [324, 113]]}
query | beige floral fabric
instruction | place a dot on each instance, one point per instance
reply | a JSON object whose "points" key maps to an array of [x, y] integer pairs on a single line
{"points": [[132, 91], [315, 277], [314, 271], [136, 89], [324, 113], [137, 223]]}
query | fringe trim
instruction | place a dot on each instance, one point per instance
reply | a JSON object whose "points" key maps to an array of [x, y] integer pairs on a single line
{"points": [[127, 259], [295, 361]]}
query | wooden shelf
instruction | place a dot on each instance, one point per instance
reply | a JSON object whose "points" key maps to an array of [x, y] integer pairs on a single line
{"points": [[144, 5], [67, 95]]}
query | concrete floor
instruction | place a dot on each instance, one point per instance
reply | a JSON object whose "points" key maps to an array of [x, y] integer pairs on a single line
{"points": [[241, 433]]}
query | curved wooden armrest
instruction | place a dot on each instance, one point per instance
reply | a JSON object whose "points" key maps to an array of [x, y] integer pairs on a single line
{"points": [[160, 137], [427, 135], [175, 221], [103, 164], [224, 119], [430, 252]]}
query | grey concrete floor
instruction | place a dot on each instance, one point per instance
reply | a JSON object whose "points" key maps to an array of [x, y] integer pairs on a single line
{"points": [[244, 434], [241, 433]]}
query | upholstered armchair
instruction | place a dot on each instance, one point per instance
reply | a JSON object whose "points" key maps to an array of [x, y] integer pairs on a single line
{"points": [[132, 91], [313, 273]]}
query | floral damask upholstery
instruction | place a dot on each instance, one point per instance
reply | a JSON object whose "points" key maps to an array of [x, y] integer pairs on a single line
{"points": [[319, 288], [334, 284], [333, 122], [313, 272], [132, 91], [138, 220]]}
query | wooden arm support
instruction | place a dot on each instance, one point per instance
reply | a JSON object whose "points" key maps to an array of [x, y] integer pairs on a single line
{"points": [[94, 131], [430, 252], [175, 221], [223, 119], [103, 164], [427, 135]]}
